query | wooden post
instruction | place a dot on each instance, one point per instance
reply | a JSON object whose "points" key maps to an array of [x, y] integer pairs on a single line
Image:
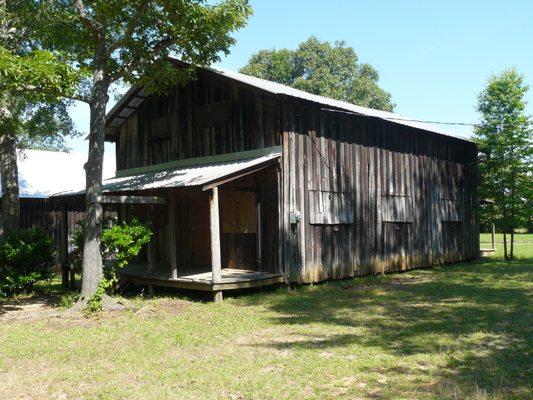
{"points": [[493, 239], [172, 236], [151, 243], [215, 235], [63, 247]]}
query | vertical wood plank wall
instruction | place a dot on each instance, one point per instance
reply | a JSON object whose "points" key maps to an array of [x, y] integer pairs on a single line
{"points": [[414, 195], [208, 116]]}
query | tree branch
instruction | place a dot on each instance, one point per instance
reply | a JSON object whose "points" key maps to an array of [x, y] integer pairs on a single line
{"points": [[134, 22], [160, 46], [25, 88], [90, 24]]}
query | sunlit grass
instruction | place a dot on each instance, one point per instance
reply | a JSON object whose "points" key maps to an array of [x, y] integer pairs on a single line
{"points": [[457, 331]]}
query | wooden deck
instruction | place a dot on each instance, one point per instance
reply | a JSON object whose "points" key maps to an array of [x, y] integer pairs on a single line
{"points": [[197, 279]]}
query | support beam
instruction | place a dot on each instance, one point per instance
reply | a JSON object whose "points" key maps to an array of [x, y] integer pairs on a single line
{"points": [[131, 200], [63, 247], [215, 235], [151, 243], [172, 251]]}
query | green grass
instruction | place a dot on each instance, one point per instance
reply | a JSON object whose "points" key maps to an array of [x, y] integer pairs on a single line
{"points": [[458, 331]]}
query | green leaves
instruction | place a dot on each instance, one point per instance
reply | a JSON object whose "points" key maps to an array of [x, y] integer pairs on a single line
{"points": [[38, 75], [26, 255], [504, 141], [324, 69], [125, 241], [131, 39]]}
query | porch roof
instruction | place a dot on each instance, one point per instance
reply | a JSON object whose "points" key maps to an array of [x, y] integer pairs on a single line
{"points": [[203, 172]]}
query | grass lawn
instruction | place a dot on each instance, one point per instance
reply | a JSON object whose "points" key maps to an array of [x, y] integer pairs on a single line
{"points": [[459, 331]]}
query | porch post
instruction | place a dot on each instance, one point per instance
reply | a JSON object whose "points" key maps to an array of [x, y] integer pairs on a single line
{"points": [[172, 236], [151, 244], [215, 235], [63, 247]]}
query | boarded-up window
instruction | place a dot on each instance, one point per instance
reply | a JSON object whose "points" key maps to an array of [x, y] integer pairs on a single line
{"points": [[396, 209], [330, 207]]}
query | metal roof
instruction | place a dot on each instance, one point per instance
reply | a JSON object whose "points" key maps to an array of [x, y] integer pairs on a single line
{"points": [[42, 173], [279, 89], [193, 176], [135, 96]]}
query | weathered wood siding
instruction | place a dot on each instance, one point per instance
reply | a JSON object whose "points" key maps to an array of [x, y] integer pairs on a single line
{"points": [[374, 196], [208, 116], [39, 213], [412, 196]]}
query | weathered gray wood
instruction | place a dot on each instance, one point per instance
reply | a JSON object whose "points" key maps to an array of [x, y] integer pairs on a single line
{"points": [[63, 249], [398, 180], [215, 235], [131, 200], [172, 242]]}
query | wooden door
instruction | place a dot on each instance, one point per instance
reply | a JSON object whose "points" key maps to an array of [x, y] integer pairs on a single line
{"points": [[239, 229]]}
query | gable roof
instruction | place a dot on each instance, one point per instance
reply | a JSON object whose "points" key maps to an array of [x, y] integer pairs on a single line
{"points": [[135, 96], [42, 173]]}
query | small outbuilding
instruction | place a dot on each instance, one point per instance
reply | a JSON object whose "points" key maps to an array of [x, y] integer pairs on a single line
{"points": [[247, 182]]}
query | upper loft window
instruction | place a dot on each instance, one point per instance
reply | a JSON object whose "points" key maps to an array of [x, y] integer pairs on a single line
{"points": [[161, 106]]}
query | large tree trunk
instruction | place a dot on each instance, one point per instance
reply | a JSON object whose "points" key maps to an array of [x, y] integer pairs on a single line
{"points": [[92, 259], [10, 182]]}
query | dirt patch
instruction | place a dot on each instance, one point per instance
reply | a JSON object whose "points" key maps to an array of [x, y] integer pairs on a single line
{"points": [[163, 306], [29, 308]]}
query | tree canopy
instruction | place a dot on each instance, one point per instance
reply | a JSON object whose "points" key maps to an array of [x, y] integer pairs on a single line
{"points": [[127, 41], [505, 153], [32, 110], [323, 69]]}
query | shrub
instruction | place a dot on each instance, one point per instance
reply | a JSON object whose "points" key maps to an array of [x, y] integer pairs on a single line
{"points": [[26, 256], [120, 243]]}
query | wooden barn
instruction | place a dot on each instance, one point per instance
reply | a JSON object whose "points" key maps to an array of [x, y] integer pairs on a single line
{"points": [[248, 182]]}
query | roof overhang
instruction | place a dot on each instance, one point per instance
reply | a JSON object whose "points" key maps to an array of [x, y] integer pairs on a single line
{"points": [[201, 173]]}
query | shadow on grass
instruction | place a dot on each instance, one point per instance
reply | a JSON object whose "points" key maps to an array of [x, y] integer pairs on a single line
{"points": [[477, 314]]}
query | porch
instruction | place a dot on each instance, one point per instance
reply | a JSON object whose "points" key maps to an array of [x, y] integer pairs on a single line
{"points": [[215, 222], [195, 278]]}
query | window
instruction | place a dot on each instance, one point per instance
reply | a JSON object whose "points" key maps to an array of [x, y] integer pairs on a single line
{"points": [[330, 207], [396, 209]]}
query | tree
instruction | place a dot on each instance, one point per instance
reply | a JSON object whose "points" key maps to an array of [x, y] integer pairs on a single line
{"points": [[129, 41], [505, 152], [31, 113], [320, 68]]}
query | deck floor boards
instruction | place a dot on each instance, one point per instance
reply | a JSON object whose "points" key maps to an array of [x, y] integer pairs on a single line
{"points": [[200, 278]]}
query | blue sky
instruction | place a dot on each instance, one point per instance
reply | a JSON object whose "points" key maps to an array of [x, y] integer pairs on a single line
{"points": [[434, 57]]}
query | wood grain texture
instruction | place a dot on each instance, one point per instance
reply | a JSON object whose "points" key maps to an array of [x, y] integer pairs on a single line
{"points": [[374, 196]]}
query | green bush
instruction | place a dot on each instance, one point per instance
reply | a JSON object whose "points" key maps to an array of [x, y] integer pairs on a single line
{"points": [[120, 243], [26, 256]]}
